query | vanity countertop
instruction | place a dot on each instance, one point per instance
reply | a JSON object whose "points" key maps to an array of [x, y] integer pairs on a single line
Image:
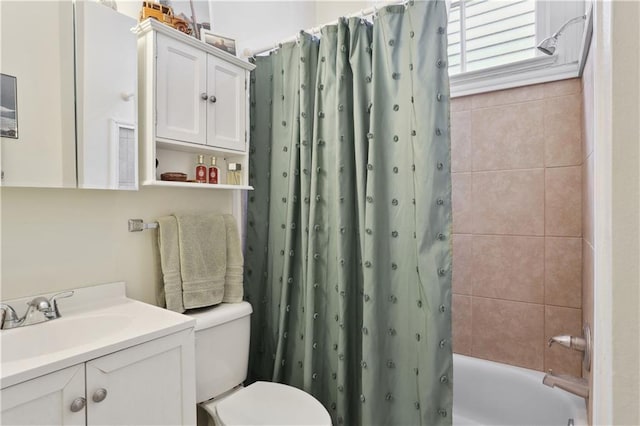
{"points": [[95, 321]]}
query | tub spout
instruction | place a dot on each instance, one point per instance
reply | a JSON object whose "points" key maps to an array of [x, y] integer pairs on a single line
{"points": [[574, 385]]}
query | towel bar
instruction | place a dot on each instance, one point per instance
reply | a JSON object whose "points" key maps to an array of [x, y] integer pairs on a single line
{"points": [[137, 225]]}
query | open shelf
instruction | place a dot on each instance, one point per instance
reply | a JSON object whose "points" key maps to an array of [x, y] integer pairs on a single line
{"points": [[168, 183]]}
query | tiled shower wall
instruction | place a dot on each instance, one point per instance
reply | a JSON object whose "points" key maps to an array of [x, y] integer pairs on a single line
{"points": [[517, 203]]}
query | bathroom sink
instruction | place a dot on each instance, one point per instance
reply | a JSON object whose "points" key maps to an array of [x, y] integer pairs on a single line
{"points": [[58, 335], [96, 321]]}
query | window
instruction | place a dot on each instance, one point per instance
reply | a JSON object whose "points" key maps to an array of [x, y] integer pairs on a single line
{"points": [[492, 43], [487, 33]]}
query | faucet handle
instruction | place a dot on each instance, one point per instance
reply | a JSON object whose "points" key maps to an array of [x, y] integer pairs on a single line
{"points": [[8, 316], [54, 300], [61, 295], [572, 342]]}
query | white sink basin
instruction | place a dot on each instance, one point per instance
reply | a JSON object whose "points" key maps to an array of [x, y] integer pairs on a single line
{"points": [[58, 335]]}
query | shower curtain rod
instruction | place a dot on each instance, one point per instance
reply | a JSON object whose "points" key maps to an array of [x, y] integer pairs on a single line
{"points": [[315, 30]]}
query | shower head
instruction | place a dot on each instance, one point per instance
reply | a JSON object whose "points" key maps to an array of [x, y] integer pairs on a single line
{"points": [[549, 44]]}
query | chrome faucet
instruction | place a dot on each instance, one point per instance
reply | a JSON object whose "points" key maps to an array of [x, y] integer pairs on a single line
{"points": [[40, 309], [574, 385], [581, 344]]}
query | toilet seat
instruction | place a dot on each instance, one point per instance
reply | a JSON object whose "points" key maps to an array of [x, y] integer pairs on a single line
{"points": [[265, 403]]}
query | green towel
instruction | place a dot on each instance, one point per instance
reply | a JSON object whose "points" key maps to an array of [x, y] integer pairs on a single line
{"points": [[233, 282], [203, 259], [171, 292]]}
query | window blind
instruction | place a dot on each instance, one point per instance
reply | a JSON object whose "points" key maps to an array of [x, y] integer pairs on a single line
{"points": [[486, 33]]}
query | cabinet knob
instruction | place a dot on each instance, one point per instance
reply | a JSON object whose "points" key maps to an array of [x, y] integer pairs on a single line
{"points": [[204, 96], [77, 404], [213, 99], [99, 395], [127, 96]]}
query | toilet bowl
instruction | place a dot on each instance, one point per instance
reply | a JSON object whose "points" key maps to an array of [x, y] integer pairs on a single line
{"points": [[222, 355], [265, 403]]}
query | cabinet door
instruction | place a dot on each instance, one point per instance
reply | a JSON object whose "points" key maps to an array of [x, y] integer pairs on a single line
{"points": [[181, 91], [37, 122], [149, 384], [106, 86], [226, 115], [45, 400]]}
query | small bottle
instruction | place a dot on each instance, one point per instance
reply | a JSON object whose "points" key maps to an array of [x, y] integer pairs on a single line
{"points": [[201, 170], [214, 172], [234, 174]]}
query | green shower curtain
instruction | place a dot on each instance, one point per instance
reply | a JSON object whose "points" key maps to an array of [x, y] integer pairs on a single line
{"points": [[348, 257]]}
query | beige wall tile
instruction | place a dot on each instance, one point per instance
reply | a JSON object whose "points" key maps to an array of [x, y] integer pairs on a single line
{"points": [[587, 199], [461, 141], [562, 87], [506, 267], [563, 272], [509, 332], [461, 202], [563, 130], [461, 324], [462, 266], [508, 96], [508, 137], [508, 202], [563, 201], [461, 104], [559, 321]]}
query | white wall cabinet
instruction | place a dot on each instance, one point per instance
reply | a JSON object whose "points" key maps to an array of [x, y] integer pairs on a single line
{"points": [[146, 384], [193, 100], [70, 120]]}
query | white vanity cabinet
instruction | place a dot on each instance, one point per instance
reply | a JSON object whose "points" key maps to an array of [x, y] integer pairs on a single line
{"points": [[147, 384], [45, 400], [193, 100]]}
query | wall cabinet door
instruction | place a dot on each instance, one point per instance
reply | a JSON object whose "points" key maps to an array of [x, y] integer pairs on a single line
{"points": [[106, 103], [181, 90], [37, 50], [149, 384], [45, 400], [226, 114]]}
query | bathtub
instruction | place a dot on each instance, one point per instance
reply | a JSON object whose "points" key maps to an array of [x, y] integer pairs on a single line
{"points": [[489, 393]]}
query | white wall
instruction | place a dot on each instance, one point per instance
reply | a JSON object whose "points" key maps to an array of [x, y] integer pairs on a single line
{"points": [[616, 374], [55, 239], [255, 24]]}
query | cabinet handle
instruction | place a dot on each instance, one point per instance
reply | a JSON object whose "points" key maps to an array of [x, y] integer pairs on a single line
{"points": [[77, 404], [203, 96], [213, 99], [99, 395]]}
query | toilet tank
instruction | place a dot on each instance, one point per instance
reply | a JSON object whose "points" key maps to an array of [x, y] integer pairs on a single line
{"points": [[222, 347]]}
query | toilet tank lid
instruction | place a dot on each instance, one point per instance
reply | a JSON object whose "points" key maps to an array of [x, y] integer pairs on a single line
{"points": [[219, 314]]}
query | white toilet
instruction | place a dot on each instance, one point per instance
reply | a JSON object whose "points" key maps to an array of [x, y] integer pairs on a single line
{"points": [[222, 355]]}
